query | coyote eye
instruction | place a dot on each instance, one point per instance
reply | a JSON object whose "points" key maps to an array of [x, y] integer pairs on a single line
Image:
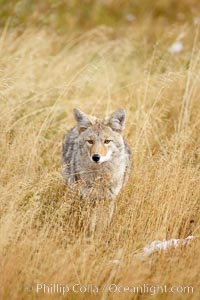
{"points": [[107, 141], [90, 142]]}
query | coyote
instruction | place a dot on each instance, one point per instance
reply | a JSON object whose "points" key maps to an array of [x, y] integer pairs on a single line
{"points": [[96, 156]]}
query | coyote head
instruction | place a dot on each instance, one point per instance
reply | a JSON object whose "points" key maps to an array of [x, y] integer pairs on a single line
{"points": [[100, 139]]}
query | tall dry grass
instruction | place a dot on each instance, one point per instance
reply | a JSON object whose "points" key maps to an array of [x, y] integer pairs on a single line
{"points": [[43, 238]]}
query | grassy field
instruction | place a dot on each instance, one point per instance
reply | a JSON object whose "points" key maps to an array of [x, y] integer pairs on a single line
{"points": [[44, 75]]}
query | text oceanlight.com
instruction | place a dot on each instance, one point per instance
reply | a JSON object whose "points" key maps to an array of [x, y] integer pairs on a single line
{"points": [[110, 288]]}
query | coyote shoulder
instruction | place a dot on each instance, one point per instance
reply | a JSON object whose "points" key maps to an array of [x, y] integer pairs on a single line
{"points": [[96, 155]]}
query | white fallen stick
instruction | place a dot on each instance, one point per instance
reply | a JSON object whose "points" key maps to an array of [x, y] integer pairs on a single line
{"points": [[166, 245], [158, 246]]}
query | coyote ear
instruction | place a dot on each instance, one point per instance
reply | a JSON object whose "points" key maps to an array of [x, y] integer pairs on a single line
{"points": [[82, 120], [117, 120]]}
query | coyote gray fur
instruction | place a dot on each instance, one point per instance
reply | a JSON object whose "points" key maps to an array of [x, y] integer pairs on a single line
{"points": [[96, 156]]}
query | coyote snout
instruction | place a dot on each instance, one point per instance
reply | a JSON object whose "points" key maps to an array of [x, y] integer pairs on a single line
{"points": [[96, 155], [99, 150], [96, 158]]}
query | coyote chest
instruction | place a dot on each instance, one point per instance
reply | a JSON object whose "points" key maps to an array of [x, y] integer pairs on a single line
{"points": [[96, 156]]}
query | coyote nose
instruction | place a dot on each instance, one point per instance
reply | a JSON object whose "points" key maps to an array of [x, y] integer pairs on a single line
{"points": [[96, 157]]}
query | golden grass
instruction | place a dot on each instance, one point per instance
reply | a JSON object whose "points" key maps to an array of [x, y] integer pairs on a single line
{"points": [[43, 77]]}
